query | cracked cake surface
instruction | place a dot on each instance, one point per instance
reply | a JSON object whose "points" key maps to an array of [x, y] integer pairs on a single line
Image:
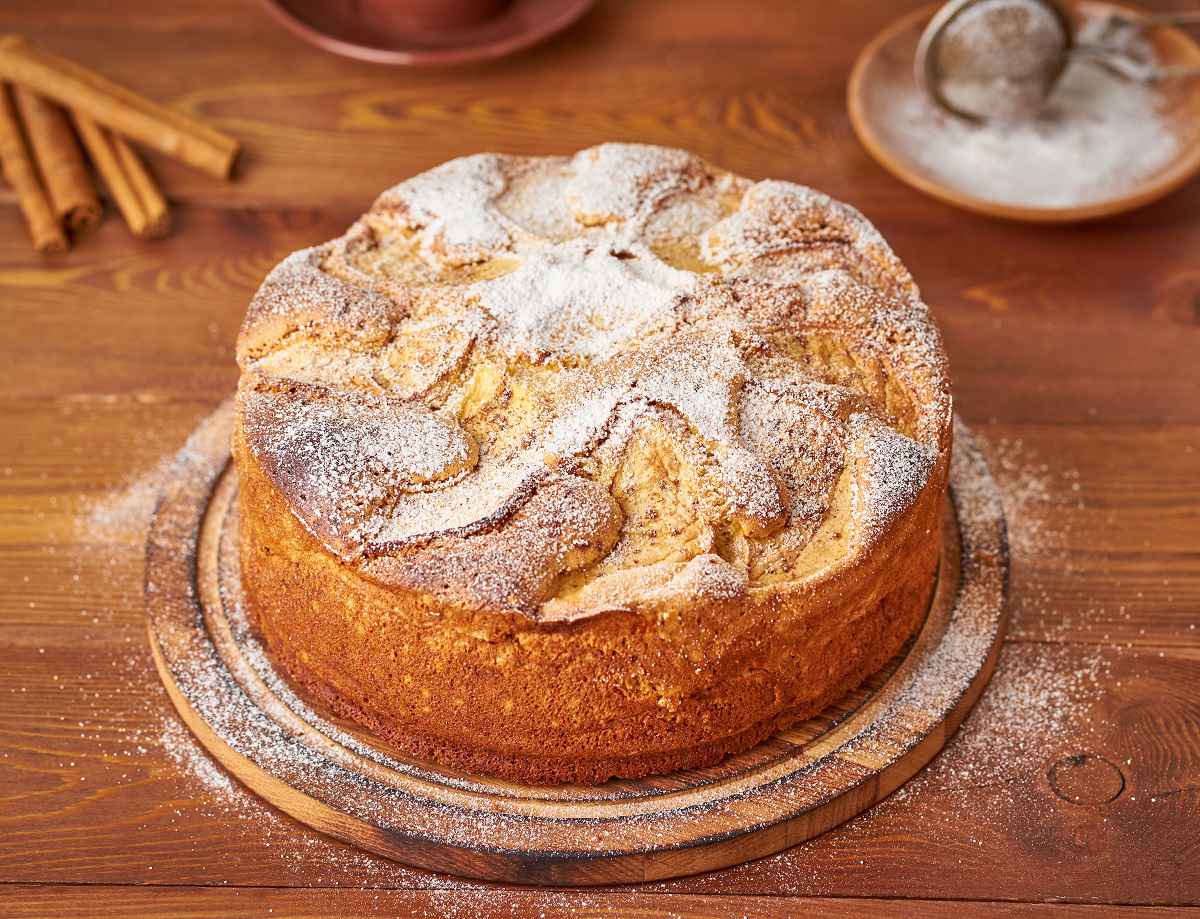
{"points": [[569, 467]]}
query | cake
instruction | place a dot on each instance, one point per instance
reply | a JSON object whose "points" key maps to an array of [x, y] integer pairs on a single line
{"points": [[560, 469]]}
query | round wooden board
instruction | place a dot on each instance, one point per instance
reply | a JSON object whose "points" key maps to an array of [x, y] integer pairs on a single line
{"points": [[885, 68], [327, 774]]}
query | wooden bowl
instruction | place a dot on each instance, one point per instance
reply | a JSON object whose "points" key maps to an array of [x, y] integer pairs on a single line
{"points": [[885, 66], [362, 31]]}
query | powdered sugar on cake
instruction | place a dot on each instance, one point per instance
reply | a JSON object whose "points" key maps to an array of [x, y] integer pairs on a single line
{"points": [[582, 297], [894, 470], [451, 207], [623, 184], [573, 309]]}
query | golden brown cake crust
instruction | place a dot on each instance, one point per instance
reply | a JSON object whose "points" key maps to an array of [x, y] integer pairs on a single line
{"points": [[565, 468]]}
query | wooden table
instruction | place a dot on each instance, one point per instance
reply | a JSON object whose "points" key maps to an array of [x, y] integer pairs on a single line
{"points": [[1076, 354]]}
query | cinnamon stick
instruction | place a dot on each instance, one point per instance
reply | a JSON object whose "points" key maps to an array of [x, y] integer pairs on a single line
{"points": [[59, 159], [44, 229], [145, 219], [154, 205], [125, 112]]}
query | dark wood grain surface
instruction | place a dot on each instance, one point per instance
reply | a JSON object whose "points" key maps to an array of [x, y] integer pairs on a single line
{"points": [[1075, 352]]}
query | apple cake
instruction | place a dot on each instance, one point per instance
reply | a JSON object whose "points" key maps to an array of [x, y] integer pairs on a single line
{"points": [[565, 468]]}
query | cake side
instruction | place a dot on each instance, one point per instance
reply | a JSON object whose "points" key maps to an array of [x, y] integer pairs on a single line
{"points": [[619, 456], [623, 694]]}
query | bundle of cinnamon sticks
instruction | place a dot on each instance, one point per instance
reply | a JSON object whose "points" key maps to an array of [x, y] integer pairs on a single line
{"points": [[48, 105]]}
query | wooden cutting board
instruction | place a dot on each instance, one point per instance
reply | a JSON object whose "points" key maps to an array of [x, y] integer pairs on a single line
{"points": [[337, 779]]}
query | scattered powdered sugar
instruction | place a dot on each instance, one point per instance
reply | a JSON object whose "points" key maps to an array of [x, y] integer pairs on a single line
{"points": [[122, 734], [186, 753], [307, 857], [121, 516], [1037, 701], [1098, 138], [1039, 706], [1034, 493], [1038, 501], [111, 527]]}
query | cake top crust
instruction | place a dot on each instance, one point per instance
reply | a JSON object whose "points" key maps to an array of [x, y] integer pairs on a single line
{"points": [[564, 385]]}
